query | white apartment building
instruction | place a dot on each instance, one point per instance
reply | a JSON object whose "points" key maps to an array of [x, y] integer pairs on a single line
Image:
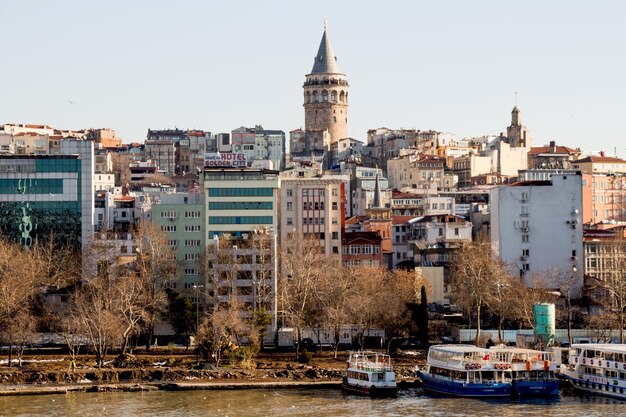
{"points": [[401, 246], [270, 145], [313, 206], [537, 225]]}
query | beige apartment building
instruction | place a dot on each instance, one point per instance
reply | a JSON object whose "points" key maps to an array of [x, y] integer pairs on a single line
{"points": [[313, 206]]}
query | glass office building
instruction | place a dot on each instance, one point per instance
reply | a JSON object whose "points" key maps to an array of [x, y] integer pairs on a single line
{"points": [[43, 196]]}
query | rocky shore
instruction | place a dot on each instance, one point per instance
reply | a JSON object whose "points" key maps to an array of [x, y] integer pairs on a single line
{"points": [[23, 382]]}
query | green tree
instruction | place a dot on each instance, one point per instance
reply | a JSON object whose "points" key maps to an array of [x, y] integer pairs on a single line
{"points": [[180, 313], [262, 319]]}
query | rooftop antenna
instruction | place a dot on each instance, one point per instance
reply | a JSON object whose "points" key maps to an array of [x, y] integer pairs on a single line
{"points": [[325, 24], [516, 99]]}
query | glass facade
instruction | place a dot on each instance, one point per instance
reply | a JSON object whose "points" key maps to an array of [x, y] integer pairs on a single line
{"points": [[31, 186], [240, 220], [241, 192], [240, 205], [42, 204]]}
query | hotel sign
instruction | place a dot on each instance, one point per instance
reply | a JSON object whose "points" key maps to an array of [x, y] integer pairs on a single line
{"points": [[225, 160]]}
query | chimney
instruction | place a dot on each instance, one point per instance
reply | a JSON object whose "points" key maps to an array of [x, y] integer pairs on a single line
{"points": [[552, 146], [601, 153]]}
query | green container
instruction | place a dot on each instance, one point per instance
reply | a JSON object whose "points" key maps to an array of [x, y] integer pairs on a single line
{"points": [[544, 315]]}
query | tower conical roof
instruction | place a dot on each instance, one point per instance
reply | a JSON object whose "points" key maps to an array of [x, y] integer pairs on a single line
{"points": [[325, 61], [377, 197]]}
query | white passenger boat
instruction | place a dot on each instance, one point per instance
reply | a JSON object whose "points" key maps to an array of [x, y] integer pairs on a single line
{"points": [[464, 371], [533, 372], [597, 368], [370, 373]]}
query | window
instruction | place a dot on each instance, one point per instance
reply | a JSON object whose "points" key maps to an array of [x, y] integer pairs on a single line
{"points": [[240, 205], [335, 235], [456, 231], [334, 205], [289, 221], [192, 228], [526, 252], [289, 206], [524, 238], [172, 243], [168, 214], [192, 242], [192, 214], [241, 192], [168, 228], [191, 271], [334, 192], [441, 231], [289, 192], [240, 220], [335, 249], [192, 256], [335, 220]]}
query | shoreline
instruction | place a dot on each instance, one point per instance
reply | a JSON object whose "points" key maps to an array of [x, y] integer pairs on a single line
{"points": [[32, 389]]}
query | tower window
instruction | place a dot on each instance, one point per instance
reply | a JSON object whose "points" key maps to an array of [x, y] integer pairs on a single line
{"points": [[334, 119]]}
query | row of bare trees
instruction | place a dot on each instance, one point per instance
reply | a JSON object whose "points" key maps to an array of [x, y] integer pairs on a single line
{"points": [[109, 298], [318, 292], [482, 281]]}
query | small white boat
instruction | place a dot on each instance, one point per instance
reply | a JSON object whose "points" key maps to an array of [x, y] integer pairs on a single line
{"points": [[597, 369], [370, 373]]}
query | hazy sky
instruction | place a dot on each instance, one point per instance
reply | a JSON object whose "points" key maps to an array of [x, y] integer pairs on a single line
{"points": [[451, 66]]}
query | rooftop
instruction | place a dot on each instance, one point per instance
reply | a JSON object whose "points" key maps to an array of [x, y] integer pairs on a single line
{"points": [[600, 159]]}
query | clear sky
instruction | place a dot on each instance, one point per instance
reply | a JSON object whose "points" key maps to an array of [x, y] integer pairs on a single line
{"points": [[452, 66]]}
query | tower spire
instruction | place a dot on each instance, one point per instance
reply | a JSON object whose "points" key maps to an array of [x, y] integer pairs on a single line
{"points": [[377, 197], [325, 61]]}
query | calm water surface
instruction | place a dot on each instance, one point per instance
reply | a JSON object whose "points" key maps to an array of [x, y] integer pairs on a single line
{"points": [[283, 402]]}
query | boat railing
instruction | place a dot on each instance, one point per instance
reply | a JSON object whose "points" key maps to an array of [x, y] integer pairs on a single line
{"points": [[371, 366]]}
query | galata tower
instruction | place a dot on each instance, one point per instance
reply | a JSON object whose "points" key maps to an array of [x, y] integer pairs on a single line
{"points": [[326, 94]]}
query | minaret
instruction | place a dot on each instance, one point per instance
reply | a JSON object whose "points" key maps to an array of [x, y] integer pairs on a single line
{"points": [[377, 197], [326, 94]]}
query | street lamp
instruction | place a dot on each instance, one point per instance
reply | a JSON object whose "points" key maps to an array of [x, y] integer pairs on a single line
{"points": [[197, 288]]}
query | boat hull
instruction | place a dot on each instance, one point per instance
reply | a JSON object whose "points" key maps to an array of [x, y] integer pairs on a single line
{"points": [[459, 389], [372, 391], [546, 388], [595, 388]]}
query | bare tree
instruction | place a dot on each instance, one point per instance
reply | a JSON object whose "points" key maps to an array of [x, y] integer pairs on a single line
{"points": [[400, 289], [155, 267], [366, 304], [21, 279], [335, 293], [223, 328], [121, 162], [475, 273], [136, 301], [71, 330], [94, 305], [303, 262]]}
